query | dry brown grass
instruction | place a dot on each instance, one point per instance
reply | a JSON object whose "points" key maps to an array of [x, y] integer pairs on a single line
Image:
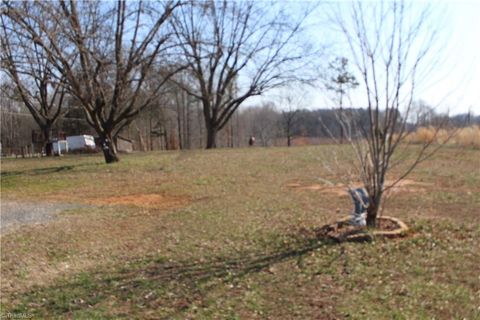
{"points": [[216, 236], [464, 137], [468, 137], [405, 185]]}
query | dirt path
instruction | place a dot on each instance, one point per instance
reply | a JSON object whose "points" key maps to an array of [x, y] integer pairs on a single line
{"points": [[15, 213]]}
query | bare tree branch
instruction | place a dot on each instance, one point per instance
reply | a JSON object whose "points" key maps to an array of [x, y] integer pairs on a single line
{"points": [[389, 43], [105, 52], [236, 50]]}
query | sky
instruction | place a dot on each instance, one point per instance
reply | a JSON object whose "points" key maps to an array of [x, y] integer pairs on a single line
{"points": [[459, 83], [453, 85]]}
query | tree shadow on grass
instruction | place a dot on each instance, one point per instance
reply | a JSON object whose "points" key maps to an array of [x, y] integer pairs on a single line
{"points": [[156, 284], [38, 171], [42, 171]]}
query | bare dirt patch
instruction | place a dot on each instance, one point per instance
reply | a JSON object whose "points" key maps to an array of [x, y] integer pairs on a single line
{"points": [[149, 201], [339, 189]]}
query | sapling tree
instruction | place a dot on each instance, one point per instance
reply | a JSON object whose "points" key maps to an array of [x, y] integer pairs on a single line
{"points": [[340, 81], [392, 47], [289, 119]]}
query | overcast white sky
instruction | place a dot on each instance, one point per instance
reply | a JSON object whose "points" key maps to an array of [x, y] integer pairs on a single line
{"points": [[454, 84]]}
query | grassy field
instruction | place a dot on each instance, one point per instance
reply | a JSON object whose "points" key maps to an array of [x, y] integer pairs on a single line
{"points": [[223, 235]]}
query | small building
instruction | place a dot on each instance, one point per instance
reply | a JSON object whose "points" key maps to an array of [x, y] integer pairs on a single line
{"points": [[60, 147]]}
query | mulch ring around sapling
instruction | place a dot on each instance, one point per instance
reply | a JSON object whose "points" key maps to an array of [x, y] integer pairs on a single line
{"points": [[342, 230]]}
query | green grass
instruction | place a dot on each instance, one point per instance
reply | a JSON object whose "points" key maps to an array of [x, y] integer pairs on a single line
{"points": [[240, 246]]}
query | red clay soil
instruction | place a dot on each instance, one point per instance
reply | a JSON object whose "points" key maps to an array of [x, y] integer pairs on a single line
{"points": [[150, 201]]}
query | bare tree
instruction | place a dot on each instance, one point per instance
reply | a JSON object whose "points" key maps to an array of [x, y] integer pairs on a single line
{"points": [[264, 123], [392, 47], [340, 81], [236, 50], [422, 114], [105, 51], [290, 116], [32, 73], [288, 122], [183, 106], [9, 120]]}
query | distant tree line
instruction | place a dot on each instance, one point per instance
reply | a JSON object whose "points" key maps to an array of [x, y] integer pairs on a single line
{"points": [[179, 124], [167, 75]]}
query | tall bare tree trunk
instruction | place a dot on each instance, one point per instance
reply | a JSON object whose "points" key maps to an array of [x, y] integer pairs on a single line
{"points": [[186, 121], [46, 130], [340, 122], [109, 149], [187, 127], [148, 135], [211, 137], [179, 126], [231, 136], [140, 138]]}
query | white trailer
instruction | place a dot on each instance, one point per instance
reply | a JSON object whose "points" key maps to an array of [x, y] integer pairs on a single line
{"points": [[80, 142]]}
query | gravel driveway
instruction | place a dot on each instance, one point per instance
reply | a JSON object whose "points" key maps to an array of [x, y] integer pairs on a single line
{"points": [[16, 213]]}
